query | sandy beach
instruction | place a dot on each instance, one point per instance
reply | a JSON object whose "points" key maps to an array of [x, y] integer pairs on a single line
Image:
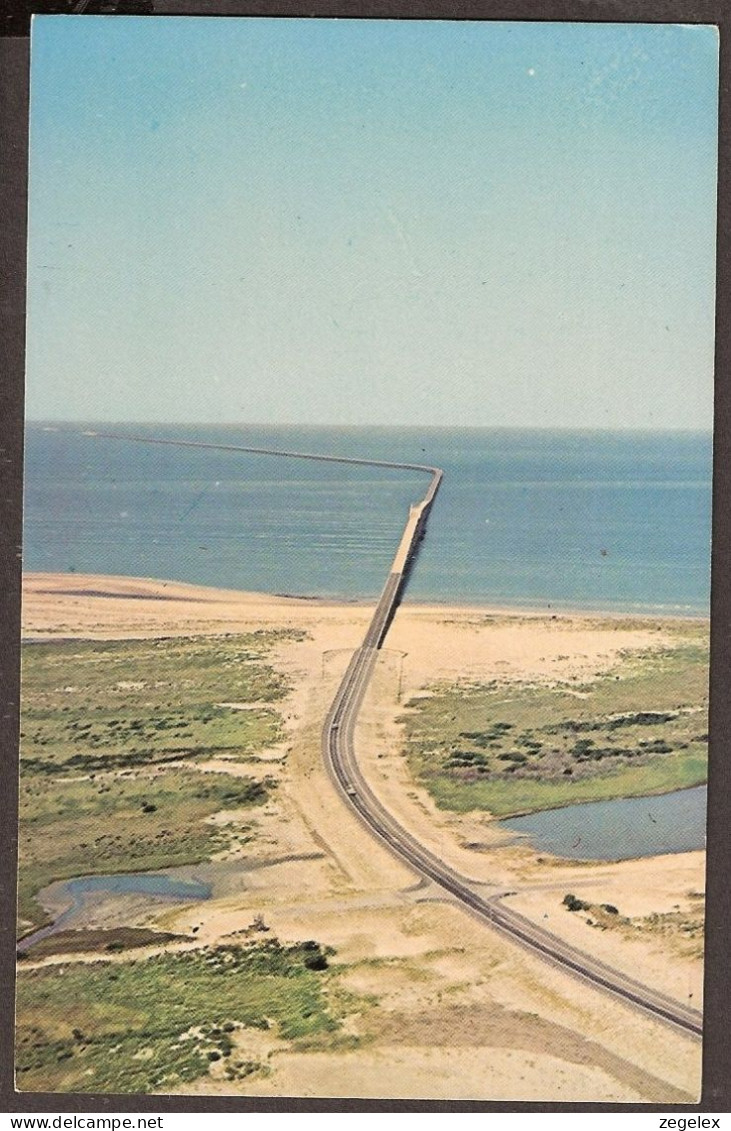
{"points": [[461, 1012]]}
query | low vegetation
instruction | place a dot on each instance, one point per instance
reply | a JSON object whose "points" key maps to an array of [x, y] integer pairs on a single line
{"points": [[123, 824], [91, 706], [151, 1025], [682, 927], [512, 748], [113, 940], [112, 735]]}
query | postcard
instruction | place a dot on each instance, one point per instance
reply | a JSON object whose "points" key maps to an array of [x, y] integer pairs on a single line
{"points": [[364, 712]]}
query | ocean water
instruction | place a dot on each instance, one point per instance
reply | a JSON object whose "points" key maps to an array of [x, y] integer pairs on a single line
{"points": [[561, 519]]}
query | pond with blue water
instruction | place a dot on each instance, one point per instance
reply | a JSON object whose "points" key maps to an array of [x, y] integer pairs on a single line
{"points": [[622, 829], [78, 892]]}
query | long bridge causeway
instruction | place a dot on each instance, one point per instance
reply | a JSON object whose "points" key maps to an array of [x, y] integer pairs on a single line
{"points": [[339, 753]]}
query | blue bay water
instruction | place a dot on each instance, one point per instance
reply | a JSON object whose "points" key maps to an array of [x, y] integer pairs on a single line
{"points": [[592, 520]]}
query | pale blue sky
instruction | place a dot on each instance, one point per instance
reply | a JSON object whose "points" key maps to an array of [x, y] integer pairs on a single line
{"points": [[321, 221]]}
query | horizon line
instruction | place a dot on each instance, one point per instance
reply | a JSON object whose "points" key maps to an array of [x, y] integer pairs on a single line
{"points": [[74, 423]]}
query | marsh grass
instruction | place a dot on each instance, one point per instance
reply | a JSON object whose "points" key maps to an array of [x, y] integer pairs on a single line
{"points": [[101, 941], [90, 706], [101, 724], [151, 1025], [72, 828], [515, 748]]}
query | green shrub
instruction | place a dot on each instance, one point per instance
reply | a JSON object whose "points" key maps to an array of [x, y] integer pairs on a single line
{"points": [[573, 904]]}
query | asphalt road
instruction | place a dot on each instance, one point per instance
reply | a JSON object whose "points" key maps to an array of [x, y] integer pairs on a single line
{"points": [[338, 742]]}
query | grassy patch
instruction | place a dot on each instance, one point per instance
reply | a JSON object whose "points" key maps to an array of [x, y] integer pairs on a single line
{"points": [[151, 1025], [511, 748], [684, 930], [91, 706], [112, 940], [101, 723], [130, 824]]}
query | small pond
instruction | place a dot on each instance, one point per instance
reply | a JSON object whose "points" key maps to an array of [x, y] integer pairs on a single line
{"points": [[74, 894], [623, 829]]}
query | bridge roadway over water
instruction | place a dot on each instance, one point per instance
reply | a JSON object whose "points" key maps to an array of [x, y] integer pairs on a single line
{"points": [[338, 746]]}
